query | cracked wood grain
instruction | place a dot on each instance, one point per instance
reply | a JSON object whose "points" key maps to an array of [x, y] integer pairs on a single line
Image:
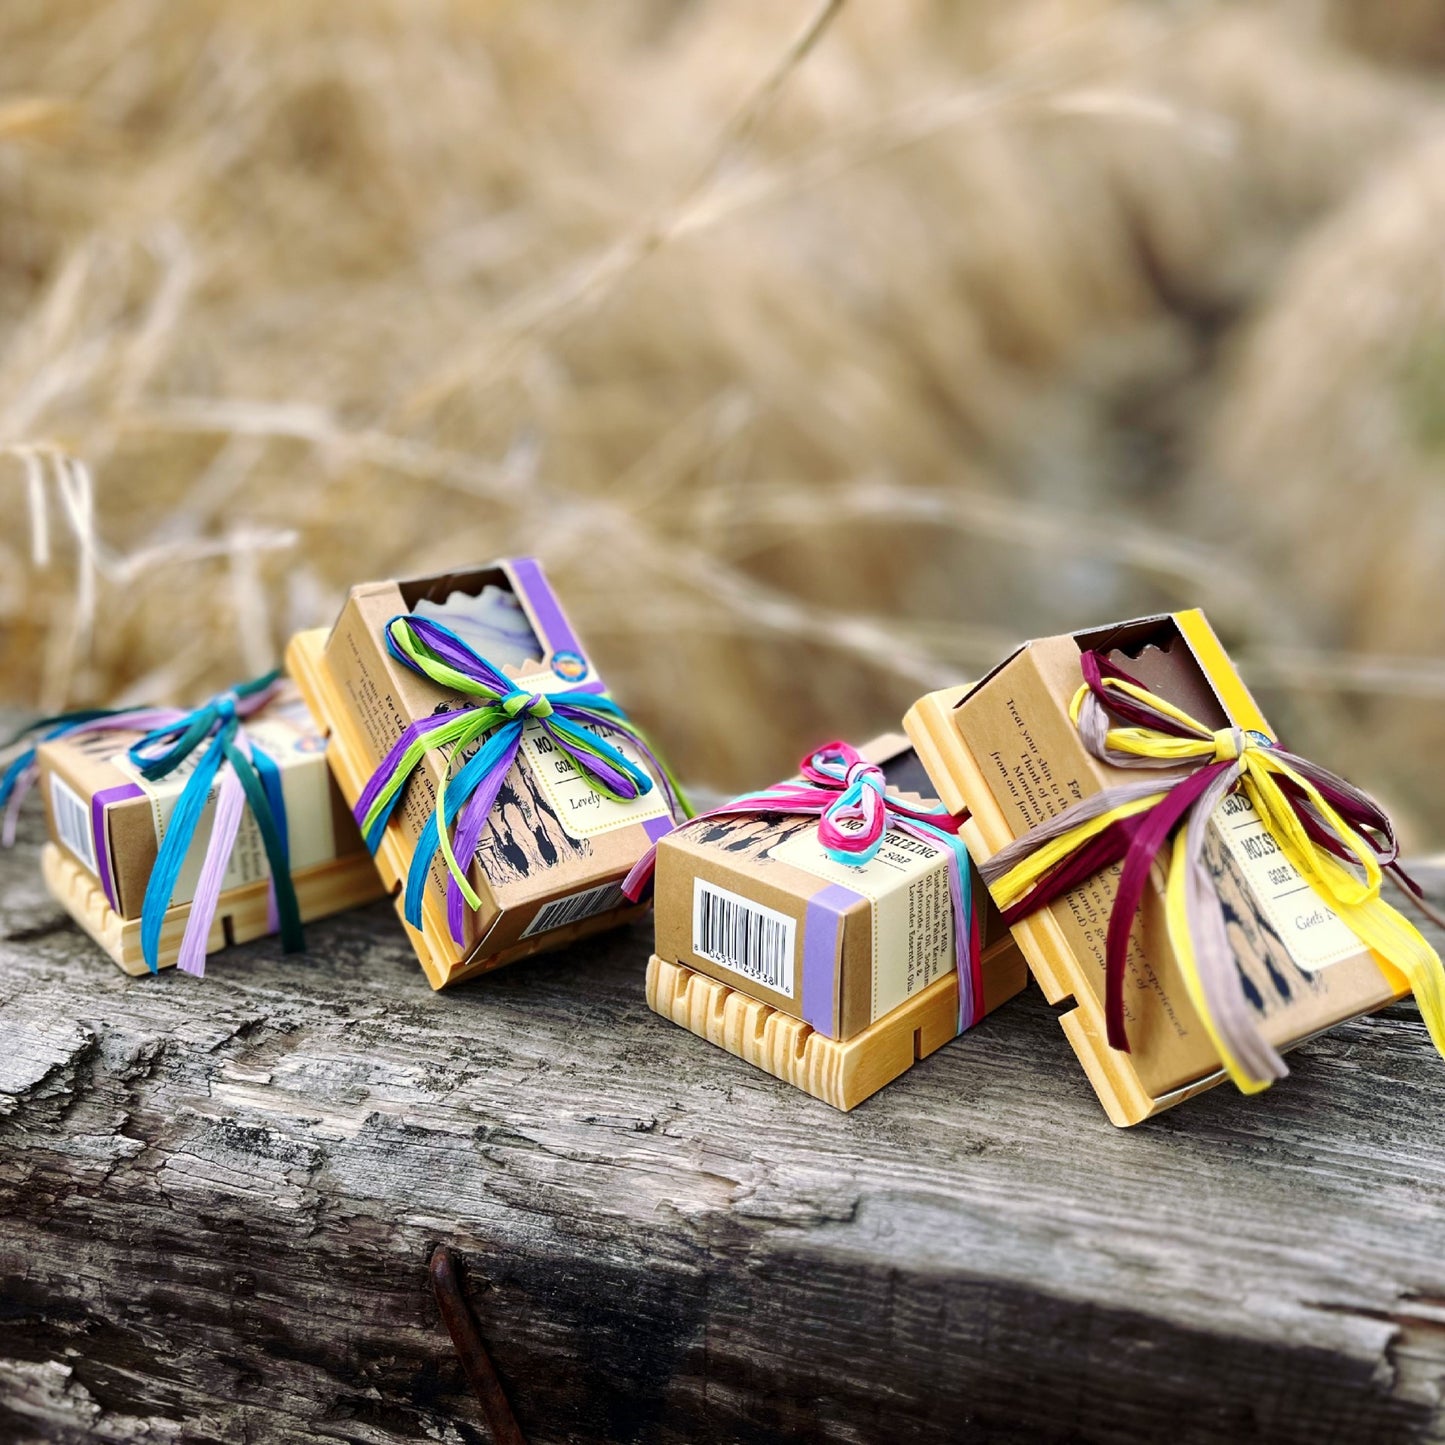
{"points": [[219, 1200]]}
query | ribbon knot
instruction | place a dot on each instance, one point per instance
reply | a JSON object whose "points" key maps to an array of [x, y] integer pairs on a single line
{"points": [[529, 704], [865, 772], [243, 774], [849, 797], [481, 743], [852, 826], [1229, 743], [1336, 836]]}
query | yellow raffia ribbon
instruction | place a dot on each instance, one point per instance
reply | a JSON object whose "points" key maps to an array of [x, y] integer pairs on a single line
{"points": [[1014, 884], [1397, 945], [1176, 913]]}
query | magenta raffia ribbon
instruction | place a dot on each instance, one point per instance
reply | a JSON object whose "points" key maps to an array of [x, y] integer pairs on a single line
{"points": [[850, 797]]}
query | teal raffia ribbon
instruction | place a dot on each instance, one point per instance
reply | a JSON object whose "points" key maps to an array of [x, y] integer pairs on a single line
{"points": [[22, 770], [247, 774], [579, 721]]}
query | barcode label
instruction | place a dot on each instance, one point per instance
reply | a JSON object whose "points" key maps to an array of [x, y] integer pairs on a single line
{"points": [[72, 820], [743, 936], [574, 908]]}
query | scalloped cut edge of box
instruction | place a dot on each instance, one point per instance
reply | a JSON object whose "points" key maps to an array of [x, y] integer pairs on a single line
{"points": [[242, 916], [842, 1074]]}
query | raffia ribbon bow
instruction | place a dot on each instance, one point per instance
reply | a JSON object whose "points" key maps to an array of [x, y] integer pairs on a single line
{"points": [[1337, 837], [578, 721]]}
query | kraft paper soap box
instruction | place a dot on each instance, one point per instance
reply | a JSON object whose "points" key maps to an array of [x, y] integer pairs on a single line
{"points": [[107, 821], [754, 902], [1006, 752], [549, 865], [833, 977]]}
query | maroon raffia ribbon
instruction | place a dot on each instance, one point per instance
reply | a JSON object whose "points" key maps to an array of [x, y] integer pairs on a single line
{"points": [[1136, 820]]}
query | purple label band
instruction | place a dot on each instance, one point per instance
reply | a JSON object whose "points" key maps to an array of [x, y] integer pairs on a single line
{"points": [[548, 620], [537, 595], [656, 828], [822, 947], [98, 804]]}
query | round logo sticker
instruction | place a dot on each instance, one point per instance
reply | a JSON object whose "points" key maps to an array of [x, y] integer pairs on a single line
{"points": [[569, 666]]}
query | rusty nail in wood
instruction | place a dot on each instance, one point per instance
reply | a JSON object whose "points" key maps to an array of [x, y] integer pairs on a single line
{"points": [[446, 1282]]}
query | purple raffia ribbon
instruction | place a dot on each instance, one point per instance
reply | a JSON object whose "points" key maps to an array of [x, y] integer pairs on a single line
{"points": [[578, 722]]}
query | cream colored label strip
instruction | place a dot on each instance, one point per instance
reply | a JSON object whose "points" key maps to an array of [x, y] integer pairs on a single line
{"points": [[1307, 926]]}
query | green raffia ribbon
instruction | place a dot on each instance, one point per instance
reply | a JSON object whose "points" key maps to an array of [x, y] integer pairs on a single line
{"points": [[578, 721]]}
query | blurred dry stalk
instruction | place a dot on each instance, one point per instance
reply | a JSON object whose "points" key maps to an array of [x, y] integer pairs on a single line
{"points": [[822, 351]]}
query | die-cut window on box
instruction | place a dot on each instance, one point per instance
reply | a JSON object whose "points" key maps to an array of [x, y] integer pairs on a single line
{"points": [[482, 608], [1155, 652]]}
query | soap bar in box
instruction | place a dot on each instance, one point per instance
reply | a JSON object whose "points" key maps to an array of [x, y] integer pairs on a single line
{"points": [[832, 975], [106, 822]]}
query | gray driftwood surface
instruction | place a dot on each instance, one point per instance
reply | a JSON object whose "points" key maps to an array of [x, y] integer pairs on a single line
{"points": [[218, 1200]]}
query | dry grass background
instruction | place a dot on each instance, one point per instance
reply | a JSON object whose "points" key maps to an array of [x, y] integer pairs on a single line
{"points": [[821, 351]]}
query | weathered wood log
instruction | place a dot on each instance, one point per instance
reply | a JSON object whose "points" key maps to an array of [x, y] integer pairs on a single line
{"points": [[219, 1200]]}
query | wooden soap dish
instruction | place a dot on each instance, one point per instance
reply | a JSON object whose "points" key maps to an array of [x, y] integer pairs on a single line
{"points": [[242, 915], [842, 1074]]}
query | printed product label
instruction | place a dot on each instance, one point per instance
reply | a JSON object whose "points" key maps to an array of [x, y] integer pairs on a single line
{"points": [[912, 913], [287, 735], [72, 820], [582, 812], [575, 907], [1312, 932]]}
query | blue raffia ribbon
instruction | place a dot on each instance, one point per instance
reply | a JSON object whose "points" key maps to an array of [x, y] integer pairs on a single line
{"points": [[577, 721], [246, 772], [850, 797], [247, 776]]}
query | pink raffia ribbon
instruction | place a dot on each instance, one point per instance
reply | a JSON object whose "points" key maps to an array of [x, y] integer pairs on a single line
{"points": [[849, 795]]}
